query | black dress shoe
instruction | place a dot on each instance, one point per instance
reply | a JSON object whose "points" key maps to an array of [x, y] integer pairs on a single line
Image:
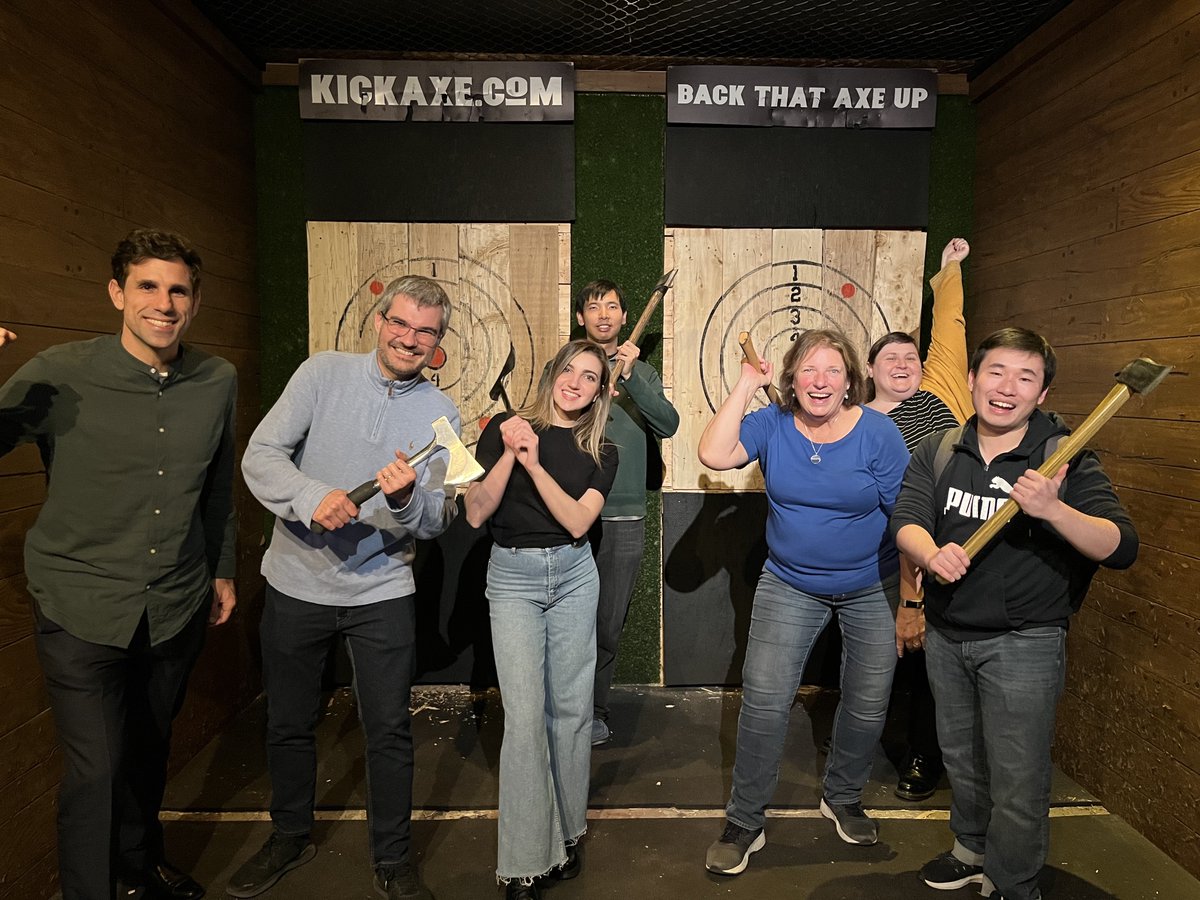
{"points": [[514, 890], [918, 778], [165, 882], [570, 869]]}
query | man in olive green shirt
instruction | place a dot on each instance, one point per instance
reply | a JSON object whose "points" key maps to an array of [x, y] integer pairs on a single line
{"points": [[132, 554]]}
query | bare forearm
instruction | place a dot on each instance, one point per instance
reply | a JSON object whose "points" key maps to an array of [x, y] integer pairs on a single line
{"points": [[576, 516], [719, 444], [483, 497], [1095, 538]]}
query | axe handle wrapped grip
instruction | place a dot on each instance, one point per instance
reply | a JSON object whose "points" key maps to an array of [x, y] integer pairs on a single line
{"points": [[358, 497], [642, 322]]}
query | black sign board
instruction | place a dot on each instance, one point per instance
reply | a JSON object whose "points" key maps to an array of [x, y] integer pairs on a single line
{"points": [[389, 91], [805, 98]]}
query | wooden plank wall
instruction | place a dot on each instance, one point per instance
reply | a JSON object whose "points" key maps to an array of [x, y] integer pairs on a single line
{"points": [[1088, 229], [509, 285], [112, 116]]}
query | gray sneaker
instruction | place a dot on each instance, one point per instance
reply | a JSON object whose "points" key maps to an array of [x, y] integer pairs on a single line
{"points": [[730, 854], [600, 732], [853, 825]]}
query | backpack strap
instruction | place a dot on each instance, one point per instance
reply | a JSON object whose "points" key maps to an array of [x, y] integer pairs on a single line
{"points": [[945, 450]]}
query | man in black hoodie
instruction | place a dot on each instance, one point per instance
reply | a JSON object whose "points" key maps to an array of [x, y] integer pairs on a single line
{"points": [[996, 636]]}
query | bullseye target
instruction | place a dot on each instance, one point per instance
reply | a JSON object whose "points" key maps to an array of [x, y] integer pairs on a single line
{"points": [[774, 285], [497, 309]]}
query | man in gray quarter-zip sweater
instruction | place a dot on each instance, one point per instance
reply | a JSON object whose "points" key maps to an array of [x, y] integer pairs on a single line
{"points": [[340, 418]]}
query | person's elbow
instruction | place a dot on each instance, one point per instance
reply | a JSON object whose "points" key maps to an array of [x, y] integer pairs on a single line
{"points": [[1126, 552]]}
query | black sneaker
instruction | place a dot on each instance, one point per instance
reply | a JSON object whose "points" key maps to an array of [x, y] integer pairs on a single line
{"points": [[568, 870], [853, 825], [514, 890], [947, 872], [731, 853], [278, 856], [400, 883]]}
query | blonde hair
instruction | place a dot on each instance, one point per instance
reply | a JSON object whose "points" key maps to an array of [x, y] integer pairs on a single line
{"points": [[588, 429], [856, 390]]}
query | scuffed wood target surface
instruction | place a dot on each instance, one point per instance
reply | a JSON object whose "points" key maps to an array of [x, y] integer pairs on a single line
{"points": [[509, 285], [773, 284]]}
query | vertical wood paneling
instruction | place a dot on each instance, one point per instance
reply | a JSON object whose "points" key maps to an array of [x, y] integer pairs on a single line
{"points": [[112, 117], [1088, 176]]}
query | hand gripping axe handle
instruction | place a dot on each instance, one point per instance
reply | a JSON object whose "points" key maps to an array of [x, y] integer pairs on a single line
{"points": [[463, 466], [1139, 377], [660, 290]]}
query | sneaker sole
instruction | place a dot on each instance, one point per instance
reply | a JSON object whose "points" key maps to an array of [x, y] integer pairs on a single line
{"points": [[305, 855], [757, 844], [828, 813], [954, 885]]}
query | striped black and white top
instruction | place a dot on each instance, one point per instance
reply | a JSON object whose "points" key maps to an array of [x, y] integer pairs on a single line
{"points": [[920, 416]]}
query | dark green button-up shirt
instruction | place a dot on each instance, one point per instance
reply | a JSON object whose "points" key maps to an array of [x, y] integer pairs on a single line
{"points": [[138, 515]]}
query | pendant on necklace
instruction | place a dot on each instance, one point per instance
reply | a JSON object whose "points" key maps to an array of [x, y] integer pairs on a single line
{"points": [[815, 458]]}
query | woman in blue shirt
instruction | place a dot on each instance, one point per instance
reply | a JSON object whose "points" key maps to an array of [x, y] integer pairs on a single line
{"points": [[832, 470]]}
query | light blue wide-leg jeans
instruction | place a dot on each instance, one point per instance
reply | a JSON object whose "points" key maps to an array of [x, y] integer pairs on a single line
{"points": [[543, 613]]}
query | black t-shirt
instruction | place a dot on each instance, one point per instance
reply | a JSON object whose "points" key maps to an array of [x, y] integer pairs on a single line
{"points": [[522, 519]]}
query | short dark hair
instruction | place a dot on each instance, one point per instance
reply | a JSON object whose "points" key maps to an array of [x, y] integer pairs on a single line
{"points": [[1023, 340], [142, 244], [594, 290], [804, 345], [892, 337]]}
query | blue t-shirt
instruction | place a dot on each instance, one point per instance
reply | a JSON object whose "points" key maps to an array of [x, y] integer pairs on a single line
{"points": [[827, 523]]}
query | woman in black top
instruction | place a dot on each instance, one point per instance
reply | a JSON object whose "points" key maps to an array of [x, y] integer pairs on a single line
{"points": [[548, 472]]}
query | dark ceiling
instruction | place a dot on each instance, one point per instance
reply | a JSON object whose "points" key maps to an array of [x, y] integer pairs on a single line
{"points": [[950, 35]]}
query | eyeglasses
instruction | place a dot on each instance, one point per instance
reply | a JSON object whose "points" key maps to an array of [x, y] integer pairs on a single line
{"points": [[426, 336]]}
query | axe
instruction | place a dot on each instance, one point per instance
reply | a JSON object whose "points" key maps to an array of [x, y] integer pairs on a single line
{"points": [[497, 392], [748, 351], [1139, 377], [463, 466], [660, 290]]}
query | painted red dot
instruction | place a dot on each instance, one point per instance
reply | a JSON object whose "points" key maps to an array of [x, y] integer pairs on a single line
{"points": [[439, 359], [483, 423], [376, 288], [848, 290]]}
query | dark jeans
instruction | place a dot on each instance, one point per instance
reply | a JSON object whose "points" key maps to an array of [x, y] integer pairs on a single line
{"points": [[996, 701], [380, 640], [618, 548], [113, 708], [922, 714]]}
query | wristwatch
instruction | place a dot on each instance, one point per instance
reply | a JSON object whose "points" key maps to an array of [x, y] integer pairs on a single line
{"points": [[913, 604]]}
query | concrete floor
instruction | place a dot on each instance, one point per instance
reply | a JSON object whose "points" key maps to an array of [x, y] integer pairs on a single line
{"points": [[658, 792]]}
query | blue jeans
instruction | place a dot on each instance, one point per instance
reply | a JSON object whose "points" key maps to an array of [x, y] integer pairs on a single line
{"points": [[380, 639], [618, 551], [784, 626], [996, 701], [543, 613]]}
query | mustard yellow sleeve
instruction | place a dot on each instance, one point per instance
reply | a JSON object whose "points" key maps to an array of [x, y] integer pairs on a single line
{"points": [[946, 362]]}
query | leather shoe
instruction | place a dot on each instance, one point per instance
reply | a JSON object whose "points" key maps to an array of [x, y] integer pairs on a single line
{"points": [[165, 882], [570, 869], [514, 890], [919, 778]]}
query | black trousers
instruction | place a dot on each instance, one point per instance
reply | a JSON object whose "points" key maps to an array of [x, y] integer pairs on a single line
{"points": [[113, 708]]}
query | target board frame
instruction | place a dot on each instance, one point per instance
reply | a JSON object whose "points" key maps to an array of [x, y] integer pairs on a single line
{"points": [[774, 284], [509, 285]]}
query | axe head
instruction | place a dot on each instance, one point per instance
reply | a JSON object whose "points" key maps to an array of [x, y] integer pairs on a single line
{"points": [[664, 283], [1142, 375], [462, 466], [510, 363]]}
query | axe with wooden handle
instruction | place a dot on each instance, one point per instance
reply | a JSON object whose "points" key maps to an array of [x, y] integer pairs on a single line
{"points": [[497, 392], [660, 290], [463, 466], [1139, 377], [748, 351]]}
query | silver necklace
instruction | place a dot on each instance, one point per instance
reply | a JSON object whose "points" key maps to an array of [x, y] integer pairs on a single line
{"points": [[816, 448]]}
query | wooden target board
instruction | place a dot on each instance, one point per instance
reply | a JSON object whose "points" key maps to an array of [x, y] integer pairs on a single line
{"points": [[773, 284], [510, 286]]}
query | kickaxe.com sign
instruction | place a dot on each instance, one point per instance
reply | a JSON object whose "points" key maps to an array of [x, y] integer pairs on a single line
{"points": [[380, 90], [805, 98]]}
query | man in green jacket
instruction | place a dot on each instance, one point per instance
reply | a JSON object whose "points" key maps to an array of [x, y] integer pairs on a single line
{"points": [[640, 414]]}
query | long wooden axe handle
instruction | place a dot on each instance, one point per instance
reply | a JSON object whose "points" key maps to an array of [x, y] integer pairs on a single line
{"points": [[747, 345], [660, 290], [1140, 377]]}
